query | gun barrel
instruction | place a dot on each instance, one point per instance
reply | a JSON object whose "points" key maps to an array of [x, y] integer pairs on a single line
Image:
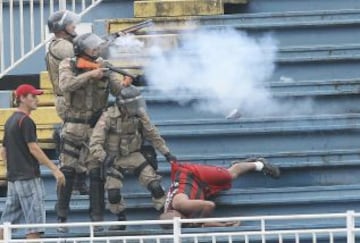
{"points": [[121, 71], [138, 26]]}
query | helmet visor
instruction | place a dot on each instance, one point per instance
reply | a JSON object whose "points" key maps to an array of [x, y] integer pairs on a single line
{"points": [[92, 42], [70, 18], [133, 106]]}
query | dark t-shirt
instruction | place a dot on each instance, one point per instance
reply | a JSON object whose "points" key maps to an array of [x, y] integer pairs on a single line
{"points": [[19, 131]]}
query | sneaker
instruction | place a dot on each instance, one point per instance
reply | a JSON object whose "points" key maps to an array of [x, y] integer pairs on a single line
{"points": [[269, 169], [62, 229], [121, 217]]}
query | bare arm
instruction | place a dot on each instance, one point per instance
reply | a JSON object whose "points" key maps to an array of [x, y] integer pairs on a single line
{"points": [[37, 152], [198, 208], [194, 208], [3, 153]]}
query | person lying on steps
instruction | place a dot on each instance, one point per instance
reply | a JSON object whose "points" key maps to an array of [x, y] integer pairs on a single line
{"points": [[193, 186]]}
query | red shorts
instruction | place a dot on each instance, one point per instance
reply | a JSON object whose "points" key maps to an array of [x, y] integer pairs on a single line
{"points": [[209, 179]]}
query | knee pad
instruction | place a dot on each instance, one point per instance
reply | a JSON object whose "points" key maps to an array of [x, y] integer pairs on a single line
{"points": [[156, 189], [114, 196], [69, 172]]}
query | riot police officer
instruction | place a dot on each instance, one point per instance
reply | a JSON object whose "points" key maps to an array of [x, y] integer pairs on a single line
{"points": [[119, 135], [86, 93], [63, 25]]}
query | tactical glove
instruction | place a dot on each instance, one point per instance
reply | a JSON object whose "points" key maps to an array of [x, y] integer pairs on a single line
{"points": [[170, 157]]}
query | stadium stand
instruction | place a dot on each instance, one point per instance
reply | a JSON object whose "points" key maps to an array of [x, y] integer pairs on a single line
{"points": [[319, 153]]}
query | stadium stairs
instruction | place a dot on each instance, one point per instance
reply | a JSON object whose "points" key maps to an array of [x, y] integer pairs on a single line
{"points": [[318, 152]]}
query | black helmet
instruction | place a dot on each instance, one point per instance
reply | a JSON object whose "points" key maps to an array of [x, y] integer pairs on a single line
{"points": [[60, 19], [87, 41]]}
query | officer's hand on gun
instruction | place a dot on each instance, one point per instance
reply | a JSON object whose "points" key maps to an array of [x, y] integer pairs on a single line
{"points": [[170, 157], [98, 73], [127, 81]]}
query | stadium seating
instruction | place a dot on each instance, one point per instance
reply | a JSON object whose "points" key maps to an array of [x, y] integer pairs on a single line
{"points": [[319, 152]]}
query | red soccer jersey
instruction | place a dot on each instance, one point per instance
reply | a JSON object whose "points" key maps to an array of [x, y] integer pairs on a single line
{"points": [[197, 181]]}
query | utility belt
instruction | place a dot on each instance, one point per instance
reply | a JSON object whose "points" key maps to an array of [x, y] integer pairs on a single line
{"points": [[91, 121], [147, 151]]}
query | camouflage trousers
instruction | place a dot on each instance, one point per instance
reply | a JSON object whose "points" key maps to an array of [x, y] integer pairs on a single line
{"points": [[75, 149], [61, 111], [129, 164]]}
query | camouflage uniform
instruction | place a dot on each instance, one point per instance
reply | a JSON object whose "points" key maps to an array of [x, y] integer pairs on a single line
{"points": [[117, 134], [60, 49], [85, 100]]}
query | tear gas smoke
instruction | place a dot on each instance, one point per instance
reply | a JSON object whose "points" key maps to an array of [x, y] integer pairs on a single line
{"points": [[221, 70], [125, 44]]}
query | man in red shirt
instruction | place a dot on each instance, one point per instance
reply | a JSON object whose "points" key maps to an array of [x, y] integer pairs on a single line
{"points": [[194, 184]]}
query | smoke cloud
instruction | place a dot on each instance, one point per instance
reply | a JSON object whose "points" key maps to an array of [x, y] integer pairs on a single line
{"points": [[222, 70], [125, 44]]}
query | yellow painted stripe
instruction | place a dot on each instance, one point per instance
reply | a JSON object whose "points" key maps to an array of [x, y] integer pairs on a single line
{"points": [[44, 133], [43, 115], [2, 170], [236, 1], [178, 8], [47, 99], [45, 81]]}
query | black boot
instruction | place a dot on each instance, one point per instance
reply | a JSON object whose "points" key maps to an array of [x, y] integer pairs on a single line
{"points": [[80, 184], [64, 196], [96, 195], [120, 217]]}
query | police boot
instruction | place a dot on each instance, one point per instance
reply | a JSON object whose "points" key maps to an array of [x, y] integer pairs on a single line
{"points": [[80, 184], [96, 194], [64, 196], [120, 217]]}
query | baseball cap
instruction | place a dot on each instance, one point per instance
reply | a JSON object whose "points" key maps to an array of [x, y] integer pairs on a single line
{"points": [[25, 89]]}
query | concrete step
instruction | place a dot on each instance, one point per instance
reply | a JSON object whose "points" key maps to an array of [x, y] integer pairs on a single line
{"points": [[299, 168], [171, 8], [320, 62], [177, 8], [236, 202], [258, 6], [289, 28], [187, 137], [326, 96], [299, 54], [41, 116]]}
